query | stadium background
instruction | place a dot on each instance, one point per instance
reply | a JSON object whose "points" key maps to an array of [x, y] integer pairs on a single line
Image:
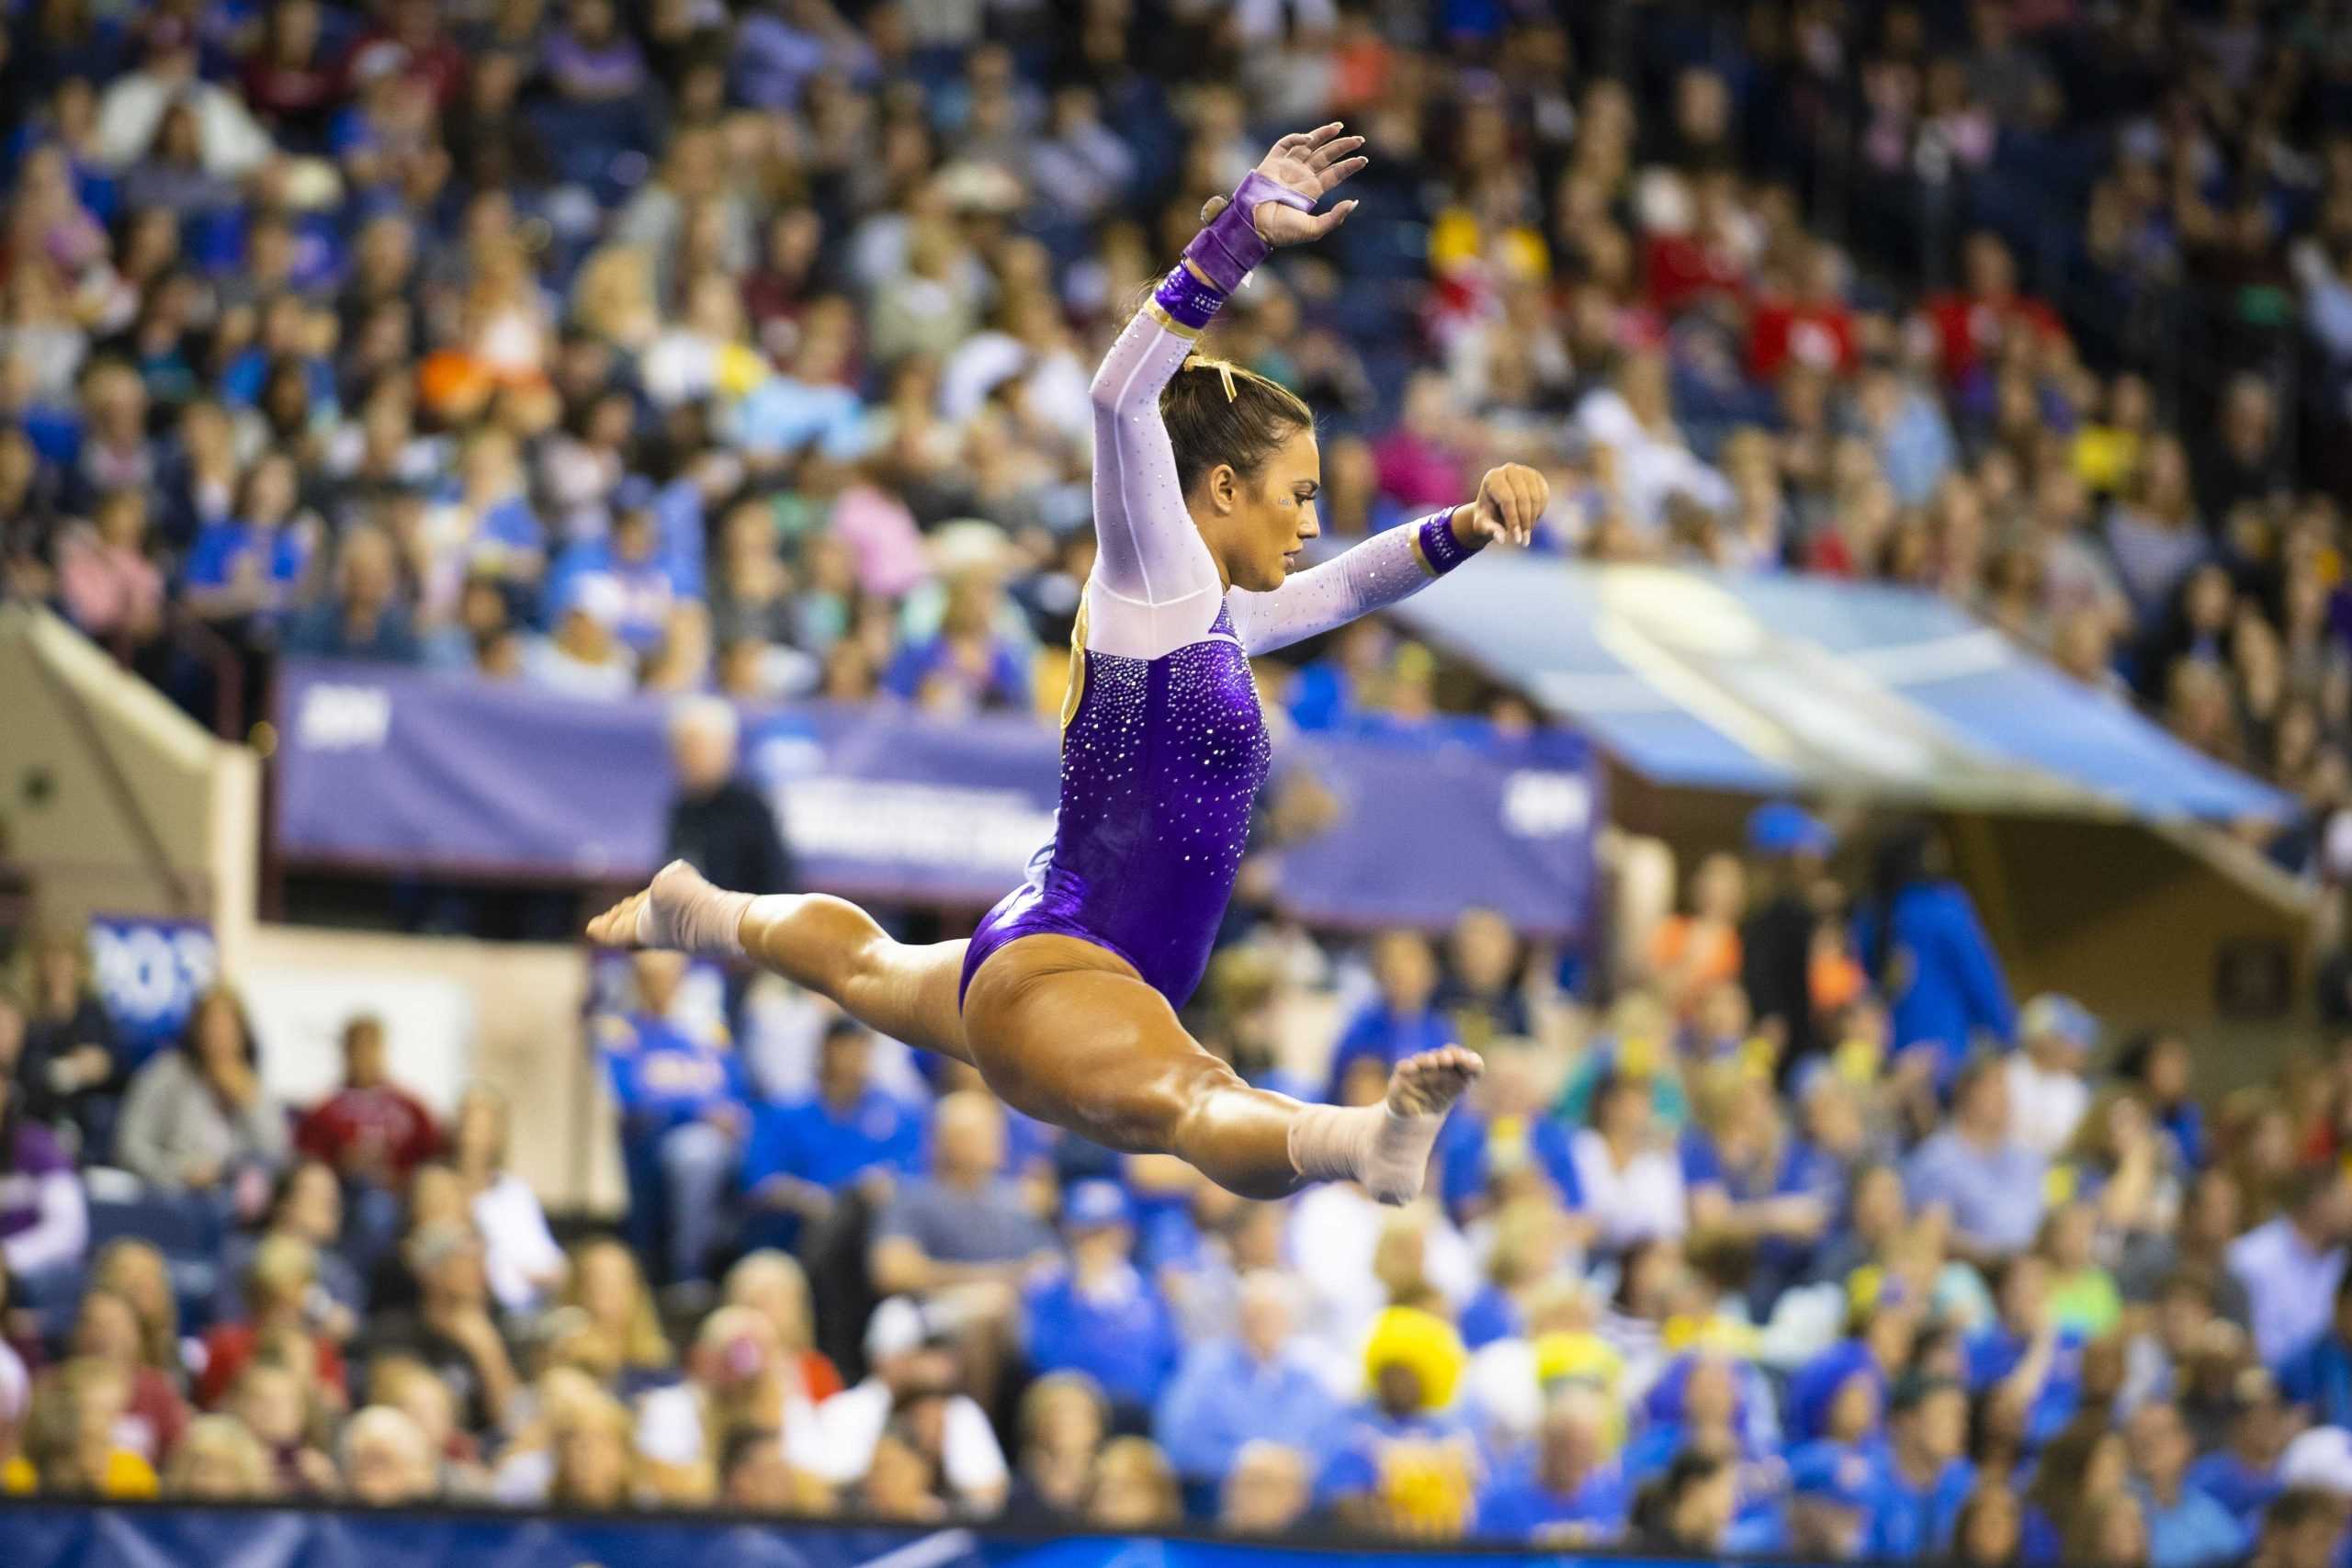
{"points": [[1917, 743]]}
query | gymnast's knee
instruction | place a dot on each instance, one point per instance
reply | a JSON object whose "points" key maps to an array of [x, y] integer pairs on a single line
{"points": [[1169, 1110]]}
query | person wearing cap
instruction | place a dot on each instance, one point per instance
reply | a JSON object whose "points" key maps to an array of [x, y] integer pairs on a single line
{"points": [[2047, 1096], [2187, 1529], [584, 656], [1922, 1478], [1570, 1491], [1255, 1385], [1786, 848], [1098, 1313], [909, 1357]]}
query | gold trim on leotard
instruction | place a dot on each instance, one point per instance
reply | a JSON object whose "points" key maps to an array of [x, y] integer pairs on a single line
{"points": [[1168, 322], [1419, 554], [1075, 689]]}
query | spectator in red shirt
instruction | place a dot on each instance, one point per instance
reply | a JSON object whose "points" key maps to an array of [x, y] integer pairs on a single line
{"points": [[371, 1130], [1807, 322], [283, 1302], [1686, 265], [1971, 323]]}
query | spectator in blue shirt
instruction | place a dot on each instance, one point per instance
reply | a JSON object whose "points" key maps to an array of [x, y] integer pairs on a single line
{"points": [[2292, 1265], [1921, 942], [1501, 1136], [1253, 1386], [1569, 1492], [1750, 1177], [366, 620], [2082, 1467], [2024, 1346], [2187, 1529], [1922, 1479], [244, 569], [1403, 1021], [802, 1154], [683, 1100], [2319, 1375], [2243, 1475], [1098, 1313], [652, 577], [1528, 1253], [1994, 1188], [1831, 1491], [970, 663]]}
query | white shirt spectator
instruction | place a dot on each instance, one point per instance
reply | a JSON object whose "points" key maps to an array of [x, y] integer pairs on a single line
{"points": [[2045, 1106], [1334, 1231], [1643, 1200], [517, 1248], [837, 1446]]}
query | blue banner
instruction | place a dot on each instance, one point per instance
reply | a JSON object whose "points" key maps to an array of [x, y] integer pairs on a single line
{"points": [[149, 972], [402, 770], [38, 1535]]}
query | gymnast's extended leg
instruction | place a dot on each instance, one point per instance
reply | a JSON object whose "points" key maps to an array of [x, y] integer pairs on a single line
{"points": [[1069, 1033], [825, 944]]}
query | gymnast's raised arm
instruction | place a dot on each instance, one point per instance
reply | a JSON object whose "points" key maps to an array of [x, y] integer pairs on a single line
{"points": [[1155, 585]]}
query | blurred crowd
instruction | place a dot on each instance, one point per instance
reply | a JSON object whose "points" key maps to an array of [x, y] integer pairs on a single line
{"points": [[742, 349], [1814, 1241]]}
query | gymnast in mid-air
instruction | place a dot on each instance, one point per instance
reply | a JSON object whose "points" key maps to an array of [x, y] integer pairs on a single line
{"points": [[1065, 998]]}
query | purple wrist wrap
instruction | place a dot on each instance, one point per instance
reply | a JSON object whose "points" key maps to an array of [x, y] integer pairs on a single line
{"points": [[1440, 547], [1190, 303], [1230, 248]]}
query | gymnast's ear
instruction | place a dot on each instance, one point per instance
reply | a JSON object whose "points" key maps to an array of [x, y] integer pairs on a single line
{"points": [[1222, 487]]}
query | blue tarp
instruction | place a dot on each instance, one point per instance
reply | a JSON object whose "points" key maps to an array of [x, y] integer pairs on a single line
{"points": [[1769, 684]]}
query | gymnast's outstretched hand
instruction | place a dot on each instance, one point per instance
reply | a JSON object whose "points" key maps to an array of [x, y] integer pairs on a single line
{"points": [[1312, 163], [1511, 501]]}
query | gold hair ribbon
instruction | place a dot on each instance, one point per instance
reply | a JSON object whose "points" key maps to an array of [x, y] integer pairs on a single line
{"points": [[1224, 369]]}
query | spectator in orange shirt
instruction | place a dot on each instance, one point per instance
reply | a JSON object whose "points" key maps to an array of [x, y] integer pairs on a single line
{"points": [[1694, 950]]}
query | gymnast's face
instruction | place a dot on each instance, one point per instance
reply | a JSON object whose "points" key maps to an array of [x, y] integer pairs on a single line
{"points": [[1265, 519]]}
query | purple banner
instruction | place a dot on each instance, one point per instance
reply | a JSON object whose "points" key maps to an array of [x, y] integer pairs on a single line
{"points": [[391, 769]]}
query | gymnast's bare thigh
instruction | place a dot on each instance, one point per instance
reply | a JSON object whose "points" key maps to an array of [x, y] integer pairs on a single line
{"points": [[1070, 1033]]}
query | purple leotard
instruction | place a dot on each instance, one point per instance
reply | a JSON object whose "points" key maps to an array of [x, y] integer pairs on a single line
{"points": [[1163, 746]]}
